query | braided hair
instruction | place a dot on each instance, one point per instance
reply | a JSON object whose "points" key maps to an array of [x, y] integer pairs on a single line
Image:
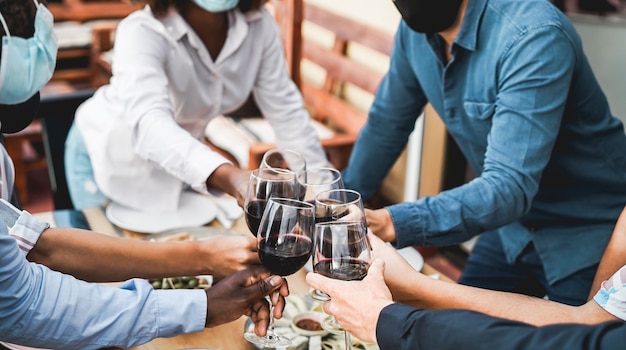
{"points": [[160, 7]]}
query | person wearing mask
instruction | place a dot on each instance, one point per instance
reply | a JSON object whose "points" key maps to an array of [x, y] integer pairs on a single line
{"points": [[177, 65], [512, 84], [46, 308]]}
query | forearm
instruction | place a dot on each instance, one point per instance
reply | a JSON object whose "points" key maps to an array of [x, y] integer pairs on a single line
{"points": [[400, 327], [428, 293], [96, 257], [614, 256]]}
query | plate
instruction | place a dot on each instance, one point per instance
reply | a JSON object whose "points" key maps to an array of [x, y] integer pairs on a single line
{"points": [[194, 209], [297, 304], [413, 257], [194, 232], [18, 347]]}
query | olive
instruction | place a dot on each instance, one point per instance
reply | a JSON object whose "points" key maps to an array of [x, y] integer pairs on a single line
{"points": [[192, 283], [156, 284]]}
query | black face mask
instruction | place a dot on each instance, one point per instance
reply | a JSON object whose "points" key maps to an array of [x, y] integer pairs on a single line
{"points": [[14, 118], [428, 16]]}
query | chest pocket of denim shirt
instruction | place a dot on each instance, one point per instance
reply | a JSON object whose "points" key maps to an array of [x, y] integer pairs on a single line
{"points": [[479, 117]]}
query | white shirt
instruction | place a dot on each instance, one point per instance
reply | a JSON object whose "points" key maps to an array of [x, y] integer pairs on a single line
{"points": [[144, 130]]}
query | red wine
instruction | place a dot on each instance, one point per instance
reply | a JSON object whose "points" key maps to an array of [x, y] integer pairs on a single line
{"points": [[254, 213], [285, 254], [345, 269]]}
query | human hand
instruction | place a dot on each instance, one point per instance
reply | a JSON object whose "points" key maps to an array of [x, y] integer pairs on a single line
{"points": [[225, 255], [398, 269], [230, 179], [243, 293], [379, 221], [356, 305]]}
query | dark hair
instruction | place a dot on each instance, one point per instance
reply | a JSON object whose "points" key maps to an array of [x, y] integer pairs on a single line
{"points": [[20, 17], [160, 7]]}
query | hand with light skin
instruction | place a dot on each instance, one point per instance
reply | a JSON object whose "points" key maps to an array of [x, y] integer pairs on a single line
{"points": [[380, 223], [356, 304], [243, 293]]}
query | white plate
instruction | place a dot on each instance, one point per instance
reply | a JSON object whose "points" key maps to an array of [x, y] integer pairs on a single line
{"points": [[413, 257], [18, 347], [194, 209]]}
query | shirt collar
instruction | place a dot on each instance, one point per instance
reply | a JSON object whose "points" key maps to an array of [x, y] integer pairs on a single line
{"points": [[239, 22], [468, 35]]}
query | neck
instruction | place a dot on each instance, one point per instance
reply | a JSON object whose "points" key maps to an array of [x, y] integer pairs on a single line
{"points": [[450, 34], [211, 27]]}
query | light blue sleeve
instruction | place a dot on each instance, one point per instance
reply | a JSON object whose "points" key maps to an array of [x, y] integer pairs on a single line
{"points": [[43, 308], [612, 294]]}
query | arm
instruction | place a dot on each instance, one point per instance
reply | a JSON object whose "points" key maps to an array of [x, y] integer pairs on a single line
{"points": [[402, 327], [614, 255], [281, 102], [95, 257], [44, 308], [396, 326], [413, 288]]}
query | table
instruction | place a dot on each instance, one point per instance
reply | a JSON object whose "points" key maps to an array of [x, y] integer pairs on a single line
{"points": [[227, 336]]}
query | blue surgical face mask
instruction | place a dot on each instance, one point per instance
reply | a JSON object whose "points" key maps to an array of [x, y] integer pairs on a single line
{"points": [[27, 65], [217, 5]]}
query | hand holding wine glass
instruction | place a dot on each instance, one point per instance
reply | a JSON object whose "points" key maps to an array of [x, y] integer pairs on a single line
{"points": [[284, 246], [341, 251]]}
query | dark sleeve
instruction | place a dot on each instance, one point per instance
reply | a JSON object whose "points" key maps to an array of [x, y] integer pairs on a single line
{"points": [[404, 327]]}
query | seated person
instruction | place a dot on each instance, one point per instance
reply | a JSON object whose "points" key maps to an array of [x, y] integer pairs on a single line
{"points": [[177, 65], [46, 308], [512, 319]]}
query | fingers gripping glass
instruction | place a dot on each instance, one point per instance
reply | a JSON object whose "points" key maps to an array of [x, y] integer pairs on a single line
{"points": [[341, 251], [284, 245]]}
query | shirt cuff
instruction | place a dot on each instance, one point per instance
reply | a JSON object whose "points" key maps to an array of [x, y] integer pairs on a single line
{"points": [[408, 225], [189, 305], [23, 227]]}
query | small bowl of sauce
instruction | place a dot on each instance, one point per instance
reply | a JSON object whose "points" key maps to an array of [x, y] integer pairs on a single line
{"points": [[309, 323]]}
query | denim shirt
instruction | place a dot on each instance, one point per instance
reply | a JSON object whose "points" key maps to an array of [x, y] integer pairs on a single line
{"points": [[521, 101]]}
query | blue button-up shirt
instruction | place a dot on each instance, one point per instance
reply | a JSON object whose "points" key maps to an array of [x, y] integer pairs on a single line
{"points": [[43, 308], [521, 101]]}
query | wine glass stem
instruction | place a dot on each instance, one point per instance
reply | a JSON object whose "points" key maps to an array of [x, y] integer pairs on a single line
{"points": [[271, 334], [348, 340]]}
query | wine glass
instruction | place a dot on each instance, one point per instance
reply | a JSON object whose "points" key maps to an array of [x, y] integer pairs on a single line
{"points": [[284, 244], [311, 182], [263, 185], [339, 205], [341, 251], [282, 158]]}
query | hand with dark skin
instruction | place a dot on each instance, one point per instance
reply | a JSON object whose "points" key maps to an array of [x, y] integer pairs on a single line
{"points": [[243, 293], [230, 179]]}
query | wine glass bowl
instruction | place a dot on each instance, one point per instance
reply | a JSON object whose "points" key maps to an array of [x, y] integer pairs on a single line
{"points": [[313, 181], [339, 205], [282, 158], [284, 241], [263, 185]]}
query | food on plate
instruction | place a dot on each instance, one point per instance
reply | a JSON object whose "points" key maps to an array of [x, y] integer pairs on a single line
{"points": [[186, 282]]}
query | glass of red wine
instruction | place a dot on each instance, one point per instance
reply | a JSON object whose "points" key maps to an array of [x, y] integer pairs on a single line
{"points": [[284, 245], [263, 185], [341, 251]]}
